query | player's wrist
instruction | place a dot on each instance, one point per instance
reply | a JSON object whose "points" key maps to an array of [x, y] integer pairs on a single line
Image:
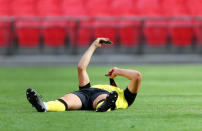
{"points": [[95, 44], [117, 71]]}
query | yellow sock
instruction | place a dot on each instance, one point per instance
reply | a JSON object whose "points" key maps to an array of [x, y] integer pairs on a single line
{"points": [[56, 105]]}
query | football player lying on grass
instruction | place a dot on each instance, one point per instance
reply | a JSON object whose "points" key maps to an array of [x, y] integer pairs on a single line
{"points": [[100, 98]]}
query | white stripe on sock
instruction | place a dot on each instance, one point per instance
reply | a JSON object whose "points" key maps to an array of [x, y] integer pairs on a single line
{"points": [[46, 106]]}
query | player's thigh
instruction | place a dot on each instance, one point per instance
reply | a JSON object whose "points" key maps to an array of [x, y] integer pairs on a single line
{"points": [[99, 98], [73, 101], [83, 78]]}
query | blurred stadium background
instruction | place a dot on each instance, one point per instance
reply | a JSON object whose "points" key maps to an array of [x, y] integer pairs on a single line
{"points": [[154, 31]]}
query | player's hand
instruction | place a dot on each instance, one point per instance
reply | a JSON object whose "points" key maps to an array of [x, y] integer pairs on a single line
{"points": [[99, 41], [113, 72]]}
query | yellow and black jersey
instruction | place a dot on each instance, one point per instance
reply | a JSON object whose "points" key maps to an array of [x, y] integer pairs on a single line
{"points": [[88, 94]]}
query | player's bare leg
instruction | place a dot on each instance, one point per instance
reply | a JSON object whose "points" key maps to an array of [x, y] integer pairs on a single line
{"points": [[85, 60], [73, 101], [99, 98]]}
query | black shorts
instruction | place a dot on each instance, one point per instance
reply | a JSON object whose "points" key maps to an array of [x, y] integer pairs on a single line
{"points": [[87, 96]]}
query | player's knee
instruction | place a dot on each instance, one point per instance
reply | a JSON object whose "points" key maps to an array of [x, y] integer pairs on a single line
{"points": [[80, 67]]}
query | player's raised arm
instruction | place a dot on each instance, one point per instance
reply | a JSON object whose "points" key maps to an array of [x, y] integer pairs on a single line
{"points": [[133, 75], [85, 60]]}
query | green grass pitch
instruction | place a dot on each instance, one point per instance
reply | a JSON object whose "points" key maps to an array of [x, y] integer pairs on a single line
{"points": [[170, 98]]}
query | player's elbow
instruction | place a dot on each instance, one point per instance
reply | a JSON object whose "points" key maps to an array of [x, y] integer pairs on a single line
{"points": [[137, 75]]}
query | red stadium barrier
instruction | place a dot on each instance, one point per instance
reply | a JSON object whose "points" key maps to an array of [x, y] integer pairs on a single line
{"points": [[130, 33], [4, 25], [54, 33], [182, 32], [28, 33], [5, 34], [127, 22], [156, 32], [76, 9]]}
